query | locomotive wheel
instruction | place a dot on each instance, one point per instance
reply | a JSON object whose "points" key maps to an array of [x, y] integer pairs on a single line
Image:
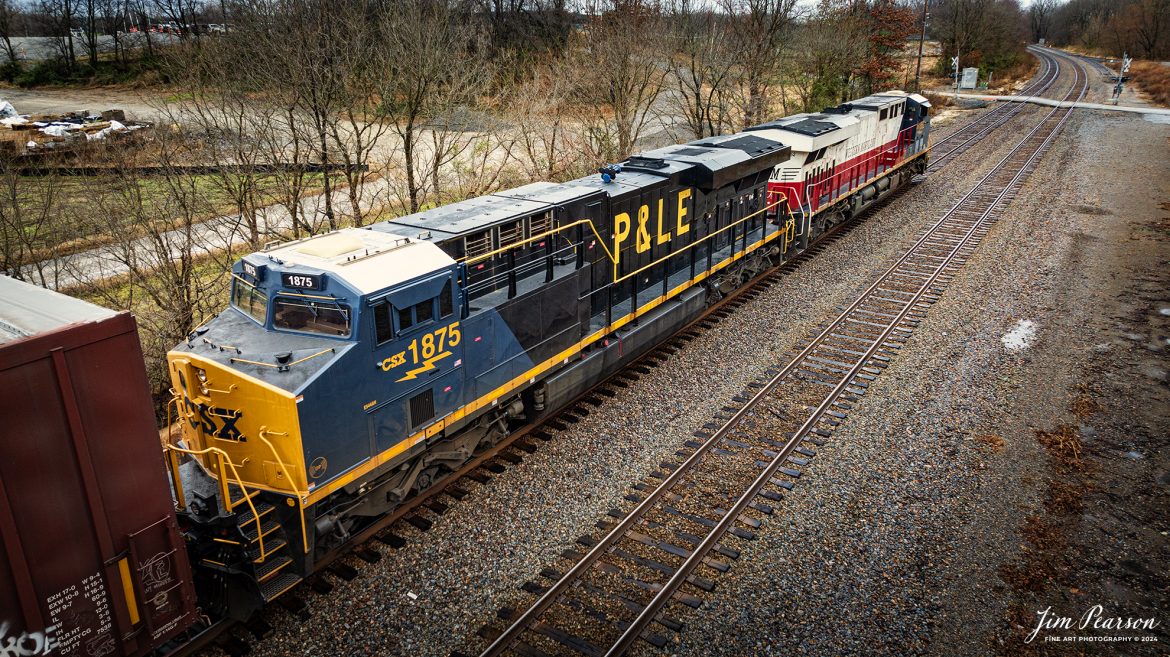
{"points": [[713, 295], [426, 478]]}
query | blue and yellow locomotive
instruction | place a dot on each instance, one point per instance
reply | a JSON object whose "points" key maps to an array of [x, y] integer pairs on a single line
{"points": [[358, 367]]}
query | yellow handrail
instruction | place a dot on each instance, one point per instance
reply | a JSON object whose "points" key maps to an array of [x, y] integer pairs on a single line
{"points": [[224, 491], [172, 458], [225, 458], [610, 254], [696, 242], [301, 496], [513, 245], [295, 362]]}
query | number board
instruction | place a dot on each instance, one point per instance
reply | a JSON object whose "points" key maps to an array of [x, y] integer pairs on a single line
{"points": [[249, 270], [301, 281]]}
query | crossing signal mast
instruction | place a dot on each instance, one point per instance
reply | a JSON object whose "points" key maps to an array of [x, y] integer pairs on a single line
{"points": [[955, 65], [1126, 60]]}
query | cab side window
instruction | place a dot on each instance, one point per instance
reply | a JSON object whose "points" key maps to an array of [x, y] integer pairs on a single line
{"points": [[424, 311], [383, 328], [412, 316], [446, 301]]}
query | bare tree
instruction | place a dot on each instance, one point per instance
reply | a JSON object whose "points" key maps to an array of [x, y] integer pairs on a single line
{"points": [[161, 241], [546, 141], [30, 222], [61, 15], [620, 75], [703, 65], [427, 99], [1040, 18], [826, 49], [760, 31], [1151, 21], [8, 16], [987, 33]]}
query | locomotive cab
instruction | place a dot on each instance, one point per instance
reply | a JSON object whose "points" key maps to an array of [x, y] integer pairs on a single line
{"points": [[357, 321]]}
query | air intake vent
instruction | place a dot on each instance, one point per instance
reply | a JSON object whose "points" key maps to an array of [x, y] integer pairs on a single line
{"points": [[422, 408], [646, 162], [840, 109]]}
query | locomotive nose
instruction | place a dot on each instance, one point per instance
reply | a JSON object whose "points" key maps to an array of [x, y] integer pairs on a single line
{"points": [[223, 412]]}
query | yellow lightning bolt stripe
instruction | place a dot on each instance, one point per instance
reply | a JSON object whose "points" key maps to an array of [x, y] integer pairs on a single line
{"points": [[428, 365]]}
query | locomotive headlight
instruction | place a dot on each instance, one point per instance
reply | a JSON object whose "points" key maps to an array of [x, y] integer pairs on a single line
{"points": [[202, 374]]}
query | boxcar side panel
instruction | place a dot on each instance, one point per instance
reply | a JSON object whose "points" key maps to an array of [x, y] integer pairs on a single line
{"points": [[90, 546]]}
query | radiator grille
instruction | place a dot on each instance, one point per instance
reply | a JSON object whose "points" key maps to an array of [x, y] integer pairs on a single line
{"points": [[422, 408]]}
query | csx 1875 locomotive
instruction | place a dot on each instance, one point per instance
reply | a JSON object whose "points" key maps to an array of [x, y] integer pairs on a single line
{"points": [[358, 367]]}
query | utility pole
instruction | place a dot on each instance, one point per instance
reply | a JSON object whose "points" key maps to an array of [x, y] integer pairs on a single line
{"points": [[921, 40]]}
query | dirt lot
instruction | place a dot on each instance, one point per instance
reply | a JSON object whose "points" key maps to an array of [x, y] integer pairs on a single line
{"points": [[138, 106]]}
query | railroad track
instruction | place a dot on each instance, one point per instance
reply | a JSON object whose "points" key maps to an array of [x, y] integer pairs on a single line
{"points": [[959, 141], [421, 510], [620, 585]]}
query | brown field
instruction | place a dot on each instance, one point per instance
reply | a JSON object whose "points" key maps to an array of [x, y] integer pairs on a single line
{"points": [[1153, 79]]}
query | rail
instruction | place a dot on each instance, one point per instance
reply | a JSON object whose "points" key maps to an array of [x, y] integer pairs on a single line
{"points": [[955, 233]]}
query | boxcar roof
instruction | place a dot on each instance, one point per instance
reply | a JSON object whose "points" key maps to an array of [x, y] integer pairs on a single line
{"points": [[26, 310]]}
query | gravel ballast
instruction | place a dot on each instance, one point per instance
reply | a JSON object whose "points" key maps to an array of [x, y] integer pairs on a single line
{"points": [[914, 532], [428, 597]]}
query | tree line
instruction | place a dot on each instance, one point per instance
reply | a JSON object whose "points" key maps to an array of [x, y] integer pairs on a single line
{"points": [[1138, 27], [417, 103]]}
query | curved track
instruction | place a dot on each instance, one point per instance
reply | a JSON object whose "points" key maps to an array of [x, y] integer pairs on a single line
{"points": [[618, 591], [959, 141]]}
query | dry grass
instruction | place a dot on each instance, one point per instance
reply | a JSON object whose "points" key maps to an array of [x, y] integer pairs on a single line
{"points": [[938, 101], [1083, 405], [1012, 79], [1153, 79], [994, 442], [1063, 446], [1044, 541], [1064, 498]]}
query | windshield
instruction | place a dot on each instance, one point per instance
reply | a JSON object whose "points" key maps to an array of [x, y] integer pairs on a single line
{"points": [[247, 298], [313, 316]]}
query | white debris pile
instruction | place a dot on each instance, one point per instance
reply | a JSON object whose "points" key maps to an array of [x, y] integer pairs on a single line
{"points": [[65, 129], [1022, 336]]}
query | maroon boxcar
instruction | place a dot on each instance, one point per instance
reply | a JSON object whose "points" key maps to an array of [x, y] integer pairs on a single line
{"points": [[92, 562]]}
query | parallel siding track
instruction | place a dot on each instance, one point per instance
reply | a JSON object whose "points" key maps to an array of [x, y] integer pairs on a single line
{"points": [[619, 589]]}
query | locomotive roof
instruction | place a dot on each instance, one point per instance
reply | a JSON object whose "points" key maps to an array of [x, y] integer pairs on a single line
{"points": [[368, 260], [547, 192], [880, 100], [26, 310], [811, 127], [716, 161], [462, 217]]}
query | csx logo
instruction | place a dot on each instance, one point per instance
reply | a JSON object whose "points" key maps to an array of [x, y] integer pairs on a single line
{"points": [[622, 225], [425, 351], [218, 422]]}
